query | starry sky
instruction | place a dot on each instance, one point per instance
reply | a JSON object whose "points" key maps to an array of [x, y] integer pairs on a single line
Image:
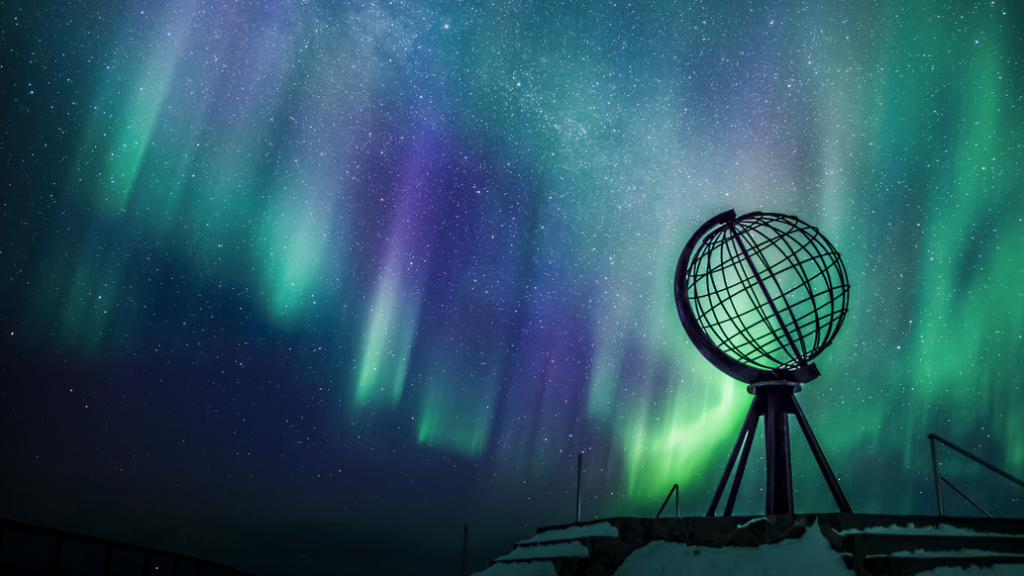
{"points": [[293, 284]]}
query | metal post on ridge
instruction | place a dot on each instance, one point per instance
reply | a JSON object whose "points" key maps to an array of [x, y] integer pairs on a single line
{"points": [[579, 477], [465, 547]]}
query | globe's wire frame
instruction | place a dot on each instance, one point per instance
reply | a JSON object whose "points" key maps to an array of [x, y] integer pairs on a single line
{"points": [[762, 295]]}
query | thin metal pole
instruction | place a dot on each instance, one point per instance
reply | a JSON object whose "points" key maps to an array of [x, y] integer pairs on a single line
{"points": [[675, 488], [465, 546], [579, 477], [935, 473]]}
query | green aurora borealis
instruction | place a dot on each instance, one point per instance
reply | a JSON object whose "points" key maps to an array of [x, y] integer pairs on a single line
{"points": [[426, 250]]}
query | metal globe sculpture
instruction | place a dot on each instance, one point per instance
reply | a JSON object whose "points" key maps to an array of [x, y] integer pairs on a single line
{"points": [[761, 295]]}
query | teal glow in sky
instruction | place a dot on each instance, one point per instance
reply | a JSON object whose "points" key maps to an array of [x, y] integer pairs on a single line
{"points": [[324, 268]]}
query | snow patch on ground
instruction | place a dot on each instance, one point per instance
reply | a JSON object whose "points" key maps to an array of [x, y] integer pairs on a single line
{"points": [[561, 550], [809, 555], [955, 553], [574, 532], [996, 570], [943, 529], [752, 521], [541, 568]]}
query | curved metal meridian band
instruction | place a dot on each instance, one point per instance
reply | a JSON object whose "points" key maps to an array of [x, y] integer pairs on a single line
{"points": [[703, 342]]}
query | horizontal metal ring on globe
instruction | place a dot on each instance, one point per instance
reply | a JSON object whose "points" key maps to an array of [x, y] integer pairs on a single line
{"points": [[761, 295]]}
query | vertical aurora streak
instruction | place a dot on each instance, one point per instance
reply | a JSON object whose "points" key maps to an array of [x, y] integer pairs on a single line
{"points": [[427, 249]]}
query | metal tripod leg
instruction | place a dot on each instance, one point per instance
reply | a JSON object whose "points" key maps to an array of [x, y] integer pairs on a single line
{"points": [[779, 481], [749, 425], [819, 456], [740, 467]]}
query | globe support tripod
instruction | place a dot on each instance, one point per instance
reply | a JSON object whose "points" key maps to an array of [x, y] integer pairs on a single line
{"points": [[774, 401]]}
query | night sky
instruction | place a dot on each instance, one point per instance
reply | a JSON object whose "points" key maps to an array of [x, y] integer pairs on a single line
{"points": [[295, 285]]}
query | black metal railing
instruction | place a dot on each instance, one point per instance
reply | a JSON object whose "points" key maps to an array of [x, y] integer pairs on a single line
{"points": [[27, 549], [675, 488], [935, 472]]}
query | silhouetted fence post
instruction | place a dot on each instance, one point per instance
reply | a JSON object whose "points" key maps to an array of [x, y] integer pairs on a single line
{"points": [[465, 547]]}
